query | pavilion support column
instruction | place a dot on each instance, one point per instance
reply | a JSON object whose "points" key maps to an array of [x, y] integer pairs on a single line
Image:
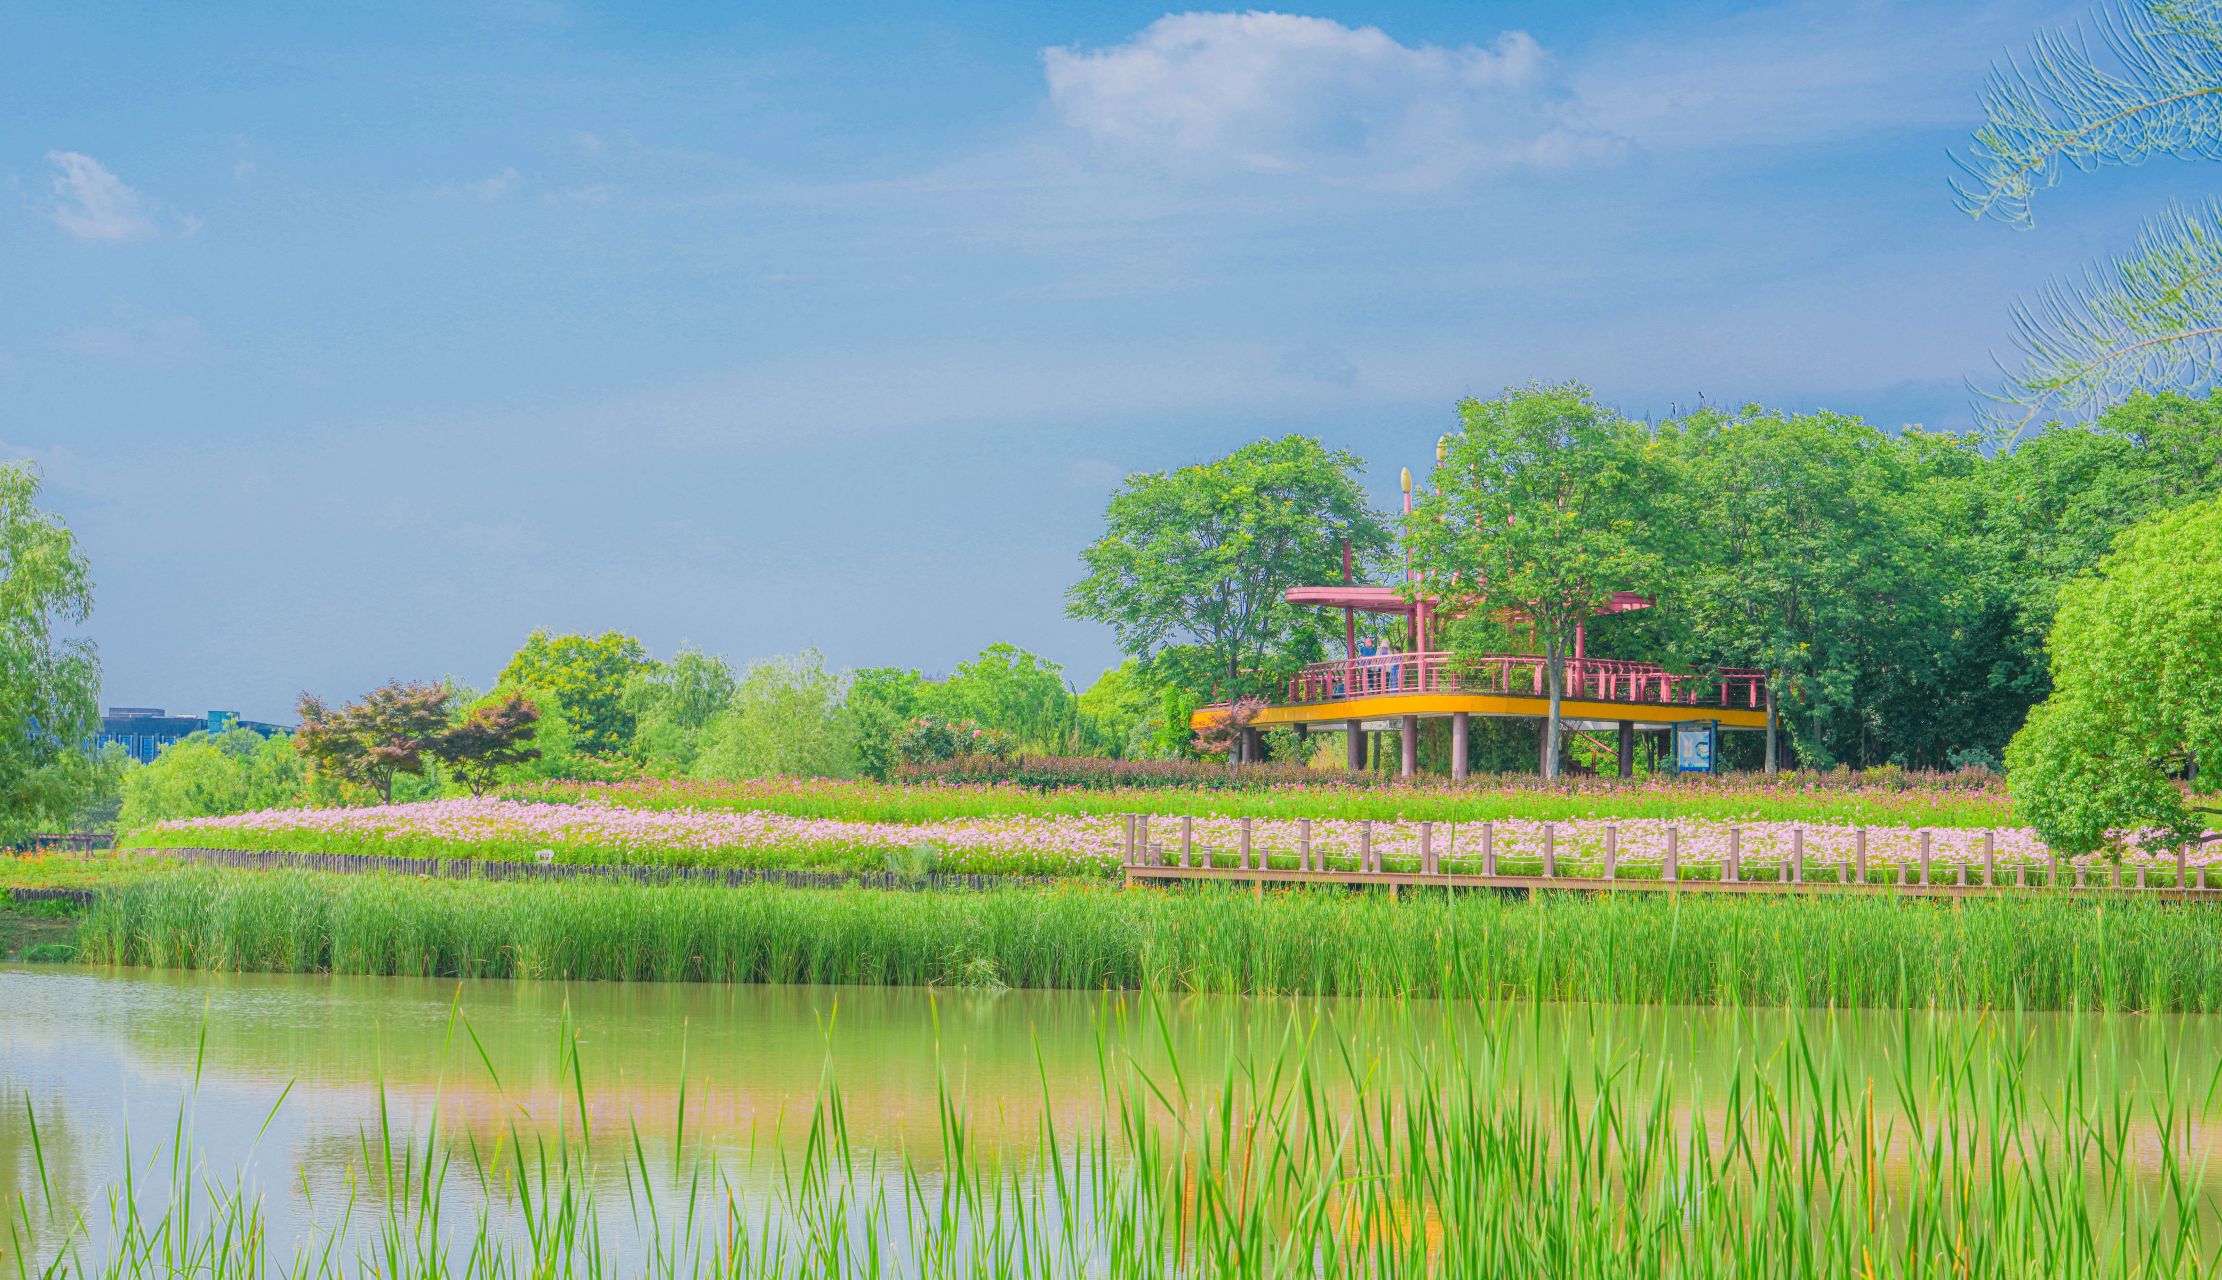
{"points": [[1409, 735], [1459, 732], [1627, 749], [1354, 744]]}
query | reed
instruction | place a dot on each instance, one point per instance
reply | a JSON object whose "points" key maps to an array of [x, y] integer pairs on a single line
{"points": [[1342, 1162], [2033, 951]]}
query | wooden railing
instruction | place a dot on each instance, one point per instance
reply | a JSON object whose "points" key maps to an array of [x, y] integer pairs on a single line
{"points": [[1168, 849], [1603, 679]]}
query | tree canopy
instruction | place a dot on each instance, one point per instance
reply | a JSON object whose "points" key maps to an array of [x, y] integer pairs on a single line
{"points": [[1200, 557], [588, 676], [49, 680], [1544, 503], [2131, 738]]}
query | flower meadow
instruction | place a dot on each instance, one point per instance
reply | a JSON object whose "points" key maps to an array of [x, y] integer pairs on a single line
{"points": [[1070, 845], [1886, 799]]}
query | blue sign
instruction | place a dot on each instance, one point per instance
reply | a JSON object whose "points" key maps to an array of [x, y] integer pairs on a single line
{"points": [[1694, 741]]}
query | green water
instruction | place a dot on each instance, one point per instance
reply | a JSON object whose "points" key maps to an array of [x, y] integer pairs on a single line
{"points": [[105, 1058]]}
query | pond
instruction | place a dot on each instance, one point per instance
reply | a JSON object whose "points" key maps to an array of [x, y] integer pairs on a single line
{"points": [[107, 1061]]}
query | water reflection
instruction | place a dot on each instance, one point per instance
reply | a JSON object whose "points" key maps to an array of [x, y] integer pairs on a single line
{"points": [[100, 1055]]}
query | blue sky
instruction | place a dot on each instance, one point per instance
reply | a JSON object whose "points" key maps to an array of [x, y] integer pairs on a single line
{"points": [[355, 344]]}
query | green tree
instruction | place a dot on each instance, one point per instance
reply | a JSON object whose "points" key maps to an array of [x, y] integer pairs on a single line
{"points": [[1807, 563], [589, 675], [390, 730], [1201, 556], [2153, 316], [1122, 713], [237, 771], [49, 683], [672, 703], [2137, 694], [1009, 689], [785, 722], [880, 700], [1546, 504]]}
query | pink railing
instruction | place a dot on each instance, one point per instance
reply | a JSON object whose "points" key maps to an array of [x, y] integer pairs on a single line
{"points": [[1596, 679]]}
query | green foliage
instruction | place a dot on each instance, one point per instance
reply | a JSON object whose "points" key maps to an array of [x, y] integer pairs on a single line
{"points": [[2044, 951], [493, 738], [589, 675], [672, 703], [49, 683], [1547, 504], [1122, 713], [208, 774], [1200, 556], [932, 739], [2152, 317], [785, 720], [1010, 691], [880, 701], [2137, 693]]}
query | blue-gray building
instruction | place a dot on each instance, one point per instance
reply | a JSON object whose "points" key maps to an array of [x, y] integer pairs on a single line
{"points": [[143, 731]]}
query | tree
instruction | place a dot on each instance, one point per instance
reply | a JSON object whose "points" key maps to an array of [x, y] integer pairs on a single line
{"points": [[589, 675], [388, 732], [236, 771], [1546, 504], [785, 722], [1804, 561], [1201, 556], [673, 702], [2152, 317], [1121, 714], [879, 702], [49, 683], [1008, 689], [2137, 695], [494, 736]]}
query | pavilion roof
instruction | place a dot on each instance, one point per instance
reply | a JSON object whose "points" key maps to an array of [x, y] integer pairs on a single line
{"points": [[1365, 599]]}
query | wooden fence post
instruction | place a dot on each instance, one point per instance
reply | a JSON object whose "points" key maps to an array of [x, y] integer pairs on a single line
{"points": [[1427, 848], [1187, 838], [1990, 858], [1797, 855], [1671, 869], [1244, 861], [1488, 848], [1612, 850], [1365, 845], [1550, 850], [1303, 844], [1924, 857], [1859, 851], [1732, 865]]}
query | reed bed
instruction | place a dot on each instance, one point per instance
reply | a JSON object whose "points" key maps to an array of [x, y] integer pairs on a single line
{"points": [[1358, 1161], [2034, 951]]}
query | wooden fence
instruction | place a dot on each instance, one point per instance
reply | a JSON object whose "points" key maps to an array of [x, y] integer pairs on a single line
{"points": [[1180, 855]]}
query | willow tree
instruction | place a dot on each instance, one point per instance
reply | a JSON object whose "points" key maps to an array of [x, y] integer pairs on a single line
{"points": [[2149, 84], [49, 679], [1543, 503]]}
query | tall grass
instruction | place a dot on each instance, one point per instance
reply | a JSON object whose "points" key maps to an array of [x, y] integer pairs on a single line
{"points": [[1353, 1161], [2035, 951]]}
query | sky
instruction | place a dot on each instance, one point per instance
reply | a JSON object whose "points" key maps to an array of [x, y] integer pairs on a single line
{"points": [[356, 342]]}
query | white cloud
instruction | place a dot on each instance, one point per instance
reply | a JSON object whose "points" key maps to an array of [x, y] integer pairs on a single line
{"points": [[485, 190], [149, 341], [1276, 93], [93, 204]]}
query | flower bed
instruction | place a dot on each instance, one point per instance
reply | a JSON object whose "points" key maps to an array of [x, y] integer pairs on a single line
{"points": [[1087, 845]]}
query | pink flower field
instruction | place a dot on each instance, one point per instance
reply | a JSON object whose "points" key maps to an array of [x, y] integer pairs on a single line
{"points": [[1062, 845]]}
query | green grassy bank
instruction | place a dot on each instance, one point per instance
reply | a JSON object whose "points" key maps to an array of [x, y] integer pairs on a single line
{"points": [[2036, 951]]}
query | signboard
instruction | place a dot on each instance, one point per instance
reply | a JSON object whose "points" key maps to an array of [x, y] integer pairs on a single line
{"points": [[1694, 741]]}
